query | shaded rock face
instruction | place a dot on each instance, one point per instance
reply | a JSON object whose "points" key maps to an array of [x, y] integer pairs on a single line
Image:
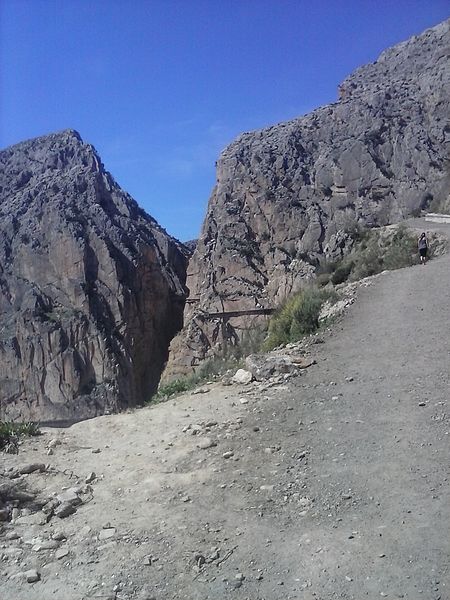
{"points": [[289, 196], [91, 288]]}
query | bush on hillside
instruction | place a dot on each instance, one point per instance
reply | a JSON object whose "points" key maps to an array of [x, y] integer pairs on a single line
{"points": [[375, 250], [401, 251], [10, 432], [383, 249], [323, 279], [341, 273], [299, 316]]}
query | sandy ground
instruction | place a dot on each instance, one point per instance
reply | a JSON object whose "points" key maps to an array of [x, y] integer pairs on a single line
{"points": [[334, 484]]}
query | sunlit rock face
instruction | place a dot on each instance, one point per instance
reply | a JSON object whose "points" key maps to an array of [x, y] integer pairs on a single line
{"points": [[91, 288], [292, 194]]}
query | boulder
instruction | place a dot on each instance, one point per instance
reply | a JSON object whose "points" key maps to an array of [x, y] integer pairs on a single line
{"points": [[242, 376]]}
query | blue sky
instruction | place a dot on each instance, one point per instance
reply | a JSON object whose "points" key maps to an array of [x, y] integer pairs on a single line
{"points": [[160, 87]]}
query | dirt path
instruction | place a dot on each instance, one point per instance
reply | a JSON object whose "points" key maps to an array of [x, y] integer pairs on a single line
{"points": [[336, 483]]}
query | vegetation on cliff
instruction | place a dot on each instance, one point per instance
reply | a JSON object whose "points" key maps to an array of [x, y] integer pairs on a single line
{"points": [[374, 251]]}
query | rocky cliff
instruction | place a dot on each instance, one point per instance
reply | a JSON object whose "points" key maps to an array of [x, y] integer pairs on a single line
{"points": [[291, 195], [91, 288]]}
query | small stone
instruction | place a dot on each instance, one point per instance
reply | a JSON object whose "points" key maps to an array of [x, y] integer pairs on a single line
{"points": [[214, 554], [27, 469], [422, 403], [85, 531], [65, 510], [96, 451], [50, 452], [53, 443], [206, 443], [347, 578], [228, 454], [49, 507], [202, 390], [199, 559], [46, 545], [335, 397], [61, 553], [105, 534], [32, 576], [59, 536], [90, 478], [239, 577], [243, 400], [37, 518], [69, 496], [15, 514]]}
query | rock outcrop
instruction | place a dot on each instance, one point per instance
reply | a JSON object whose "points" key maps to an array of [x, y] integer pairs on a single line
{"points": [[91, 287], [288, 196]]}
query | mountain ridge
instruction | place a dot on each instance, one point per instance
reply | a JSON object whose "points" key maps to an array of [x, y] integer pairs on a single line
{"points": [[92, 288]]}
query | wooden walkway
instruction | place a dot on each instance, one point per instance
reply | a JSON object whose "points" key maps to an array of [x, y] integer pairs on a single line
{"points": [[240, 313]]}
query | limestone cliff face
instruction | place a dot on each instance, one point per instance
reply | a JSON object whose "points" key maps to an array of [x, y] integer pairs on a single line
{"points": [[289, 195], [91, 288]]}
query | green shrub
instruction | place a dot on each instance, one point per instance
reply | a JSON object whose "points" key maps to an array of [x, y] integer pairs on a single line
{"points": [[377, 250], [401, 251], [11, 431], [327, 267], [383, 249], [342, 272], [323, 279], [366, 259], [250, 342], [173, 388], [299, 316]]}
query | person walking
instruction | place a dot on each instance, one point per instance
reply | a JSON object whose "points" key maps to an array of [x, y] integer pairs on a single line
{"points": [[422, 244]]}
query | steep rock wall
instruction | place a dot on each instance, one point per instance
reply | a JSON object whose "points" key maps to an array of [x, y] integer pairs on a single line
{"points": [[290, 195], [91, 288]]}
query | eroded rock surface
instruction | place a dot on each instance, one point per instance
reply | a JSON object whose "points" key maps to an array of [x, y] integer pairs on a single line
{"points": [[292, 194], [91, 288]]}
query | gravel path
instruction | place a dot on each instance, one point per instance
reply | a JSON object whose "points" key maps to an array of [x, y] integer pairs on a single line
{"points": [[385, 440], [332, 485]]}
